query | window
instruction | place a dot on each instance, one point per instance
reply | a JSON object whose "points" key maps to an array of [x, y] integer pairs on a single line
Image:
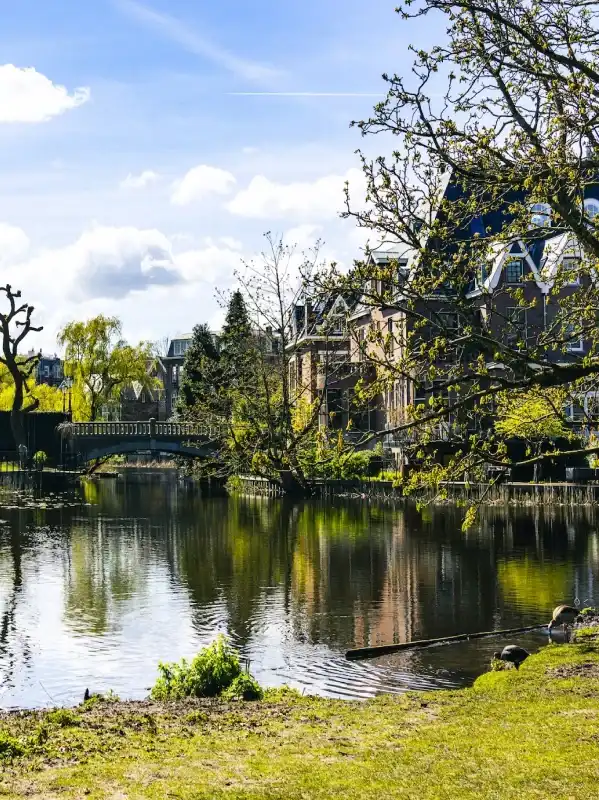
{"points": [[337, 324], [592, 406], [360, 338], [571, 269], [390, 326], [591, 207], [420, 393], [540, 215], [516, 326], [573, 345], [177, 347], [514, 270], [574, 411], [449, 322]]}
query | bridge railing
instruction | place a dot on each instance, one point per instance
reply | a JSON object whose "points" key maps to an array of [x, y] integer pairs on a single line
{"points": [[151, 429]]}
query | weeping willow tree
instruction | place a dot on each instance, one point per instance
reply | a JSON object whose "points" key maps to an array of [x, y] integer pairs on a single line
{"points": [[101, 363], [495, 162]]}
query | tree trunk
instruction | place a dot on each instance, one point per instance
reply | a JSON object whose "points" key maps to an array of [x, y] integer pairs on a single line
{"points": [[291, 484], [17, 421]]}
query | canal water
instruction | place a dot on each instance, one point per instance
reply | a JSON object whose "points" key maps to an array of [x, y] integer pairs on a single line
{"points": [[99, 586]]}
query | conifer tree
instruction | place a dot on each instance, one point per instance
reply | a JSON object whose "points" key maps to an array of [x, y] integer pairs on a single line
{"points": [[201, 380], [236, 344]]}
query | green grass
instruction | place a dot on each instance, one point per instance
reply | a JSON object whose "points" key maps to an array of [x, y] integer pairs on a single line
{"points": [[532, 733]]}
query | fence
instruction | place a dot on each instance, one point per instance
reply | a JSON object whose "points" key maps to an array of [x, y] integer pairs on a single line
{"points": [[151, 429], [564, 494]]}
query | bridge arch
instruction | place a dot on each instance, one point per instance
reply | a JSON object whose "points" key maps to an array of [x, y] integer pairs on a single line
{"points": [[145, 446]]}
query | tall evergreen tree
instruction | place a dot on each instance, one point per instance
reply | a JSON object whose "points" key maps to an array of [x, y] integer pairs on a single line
{"points": [[237, 344], [201, 382]]}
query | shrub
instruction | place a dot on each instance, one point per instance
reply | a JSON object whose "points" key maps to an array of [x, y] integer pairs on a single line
{"points": [[40, 458], [9, 746], [63, 717], [211, 672], [244, 687]]}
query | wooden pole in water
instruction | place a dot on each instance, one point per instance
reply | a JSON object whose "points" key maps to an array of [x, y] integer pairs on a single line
{"points": [[384, 649]]}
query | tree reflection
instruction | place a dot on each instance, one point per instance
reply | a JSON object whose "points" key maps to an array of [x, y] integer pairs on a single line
{"points": [[9, 622], [101, 570]]}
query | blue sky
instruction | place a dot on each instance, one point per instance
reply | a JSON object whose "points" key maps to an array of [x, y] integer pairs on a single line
{"points": [[141, 159]]}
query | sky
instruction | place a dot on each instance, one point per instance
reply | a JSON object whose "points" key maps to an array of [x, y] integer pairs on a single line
{"points": [[146, 147]]}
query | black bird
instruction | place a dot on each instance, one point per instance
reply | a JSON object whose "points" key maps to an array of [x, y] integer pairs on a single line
{"points": [[86, 696], [563, 615], [514, 654]]}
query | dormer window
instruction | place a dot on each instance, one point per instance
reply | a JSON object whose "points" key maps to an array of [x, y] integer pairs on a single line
{"points": [[337, 324], [591, 208], [540, 215], [514, 270]]}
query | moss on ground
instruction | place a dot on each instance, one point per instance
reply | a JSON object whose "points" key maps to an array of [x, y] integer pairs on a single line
{"points": [[530, 733]]}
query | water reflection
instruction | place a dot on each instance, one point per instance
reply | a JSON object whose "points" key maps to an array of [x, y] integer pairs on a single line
{"points": [[94, 595]]}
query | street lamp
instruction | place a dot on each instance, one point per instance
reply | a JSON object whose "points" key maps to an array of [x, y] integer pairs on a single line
{"points": [[65, 387]]}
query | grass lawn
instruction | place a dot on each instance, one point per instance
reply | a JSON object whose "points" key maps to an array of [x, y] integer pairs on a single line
{"points": [[527, 734]]}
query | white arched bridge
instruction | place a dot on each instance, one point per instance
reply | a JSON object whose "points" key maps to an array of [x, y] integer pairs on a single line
{"points": [[89, 441]]}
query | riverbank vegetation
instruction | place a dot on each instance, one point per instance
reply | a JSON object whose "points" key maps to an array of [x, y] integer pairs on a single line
{"points": [[528, 733]]}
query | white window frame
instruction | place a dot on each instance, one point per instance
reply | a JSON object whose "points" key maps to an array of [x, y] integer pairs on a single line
{"points": [[540, 215], [509, 260], [572, 258], [591, 203], [575, 346]]}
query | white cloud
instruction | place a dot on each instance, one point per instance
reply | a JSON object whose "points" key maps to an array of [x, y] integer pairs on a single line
{"points": [[14, 243], [303, 236], [28, 96], [199, 183], [322, 198], [214, 263], [140, 181], [105, 262]]}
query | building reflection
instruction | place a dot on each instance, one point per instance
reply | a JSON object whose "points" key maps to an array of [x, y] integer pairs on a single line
{"points": [[160, 563]]}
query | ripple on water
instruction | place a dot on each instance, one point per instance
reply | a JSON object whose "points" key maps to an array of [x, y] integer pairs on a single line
{"points": [[95, 596]]}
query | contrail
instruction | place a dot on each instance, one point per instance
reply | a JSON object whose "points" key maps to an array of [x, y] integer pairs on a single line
{"points": [[305, 94]]}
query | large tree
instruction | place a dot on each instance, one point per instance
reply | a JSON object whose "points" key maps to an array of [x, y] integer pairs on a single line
{"points": [[254, 402], [15, 325], [101, 364], [495, 137], [201, 391], [237, 344]]}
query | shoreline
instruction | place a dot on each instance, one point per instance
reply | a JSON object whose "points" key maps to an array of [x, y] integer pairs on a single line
{"points": [[498, 738]]}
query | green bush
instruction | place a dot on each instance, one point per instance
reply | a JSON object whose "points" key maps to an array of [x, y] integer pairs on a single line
{"points": [[9, 746], [63, 717], [211, 672], [40, 458], [244, 687]]}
